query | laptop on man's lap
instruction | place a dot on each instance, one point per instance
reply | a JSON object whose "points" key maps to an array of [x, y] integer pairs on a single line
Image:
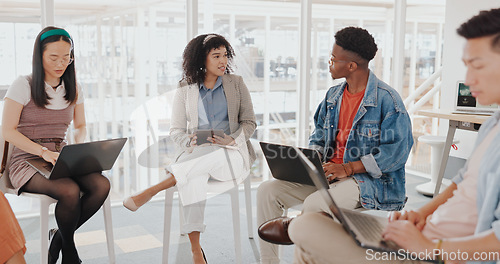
{"points": [[81, 159], [364, 228], [285, 166]]}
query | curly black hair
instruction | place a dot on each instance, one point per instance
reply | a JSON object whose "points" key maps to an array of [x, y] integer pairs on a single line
{"points": [[195, 54], [486, 23], [357, 40]]}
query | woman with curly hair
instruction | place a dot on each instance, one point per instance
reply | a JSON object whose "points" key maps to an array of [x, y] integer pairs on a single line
{"points": [[208, 97]]}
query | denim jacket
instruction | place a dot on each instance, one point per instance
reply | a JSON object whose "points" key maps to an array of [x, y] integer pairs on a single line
{"points": [[488, 185], [381, 137]]}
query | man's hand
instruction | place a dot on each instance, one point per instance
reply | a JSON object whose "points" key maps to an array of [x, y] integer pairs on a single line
{"points": [[414, 217], [334, 171], [407, 236]]}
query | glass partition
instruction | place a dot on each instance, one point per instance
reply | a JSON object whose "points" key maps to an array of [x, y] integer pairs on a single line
{"points": [[128, 60]]}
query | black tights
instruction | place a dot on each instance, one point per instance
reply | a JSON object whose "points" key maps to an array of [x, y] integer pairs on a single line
{"points": [[71, 210]]}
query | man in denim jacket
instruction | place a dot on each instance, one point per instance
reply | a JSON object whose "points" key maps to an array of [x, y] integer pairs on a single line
{"points": [[362, 131], [460, 224]]}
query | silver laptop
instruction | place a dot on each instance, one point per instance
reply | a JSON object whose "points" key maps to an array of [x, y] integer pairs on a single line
{"points": [[466, 104], [285, 166], [81, 159], [364, 228]]}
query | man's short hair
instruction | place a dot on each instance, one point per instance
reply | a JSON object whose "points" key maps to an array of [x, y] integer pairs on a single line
{"points": [[485, 24], [357, 40]]}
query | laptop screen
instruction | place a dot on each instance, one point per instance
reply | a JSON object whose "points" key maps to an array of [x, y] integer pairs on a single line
{"points": [[466, 100]]}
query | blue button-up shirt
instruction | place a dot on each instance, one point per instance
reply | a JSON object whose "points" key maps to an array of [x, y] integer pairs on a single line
{"points": [[212, 108]]}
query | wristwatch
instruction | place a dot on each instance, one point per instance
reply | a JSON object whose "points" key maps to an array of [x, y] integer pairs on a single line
{"points": [[43, 150]]}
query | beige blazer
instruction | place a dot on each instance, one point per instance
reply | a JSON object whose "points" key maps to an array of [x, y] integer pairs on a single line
{"points": [[184, 120]]}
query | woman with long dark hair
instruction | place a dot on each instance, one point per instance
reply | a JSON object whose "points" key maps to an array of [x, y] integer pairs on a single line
{"points": [[210, 98], [37, 112]]}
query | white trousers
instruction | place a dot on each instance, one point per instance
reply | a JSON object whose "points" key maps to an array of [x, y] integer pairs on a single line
{"points": [[192, 172], [274, 196]]}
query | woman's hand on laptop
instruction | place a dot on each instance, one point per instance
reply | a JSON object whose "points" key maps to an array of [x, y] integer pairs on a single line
{"points": [[411, 216], [50, 156]]}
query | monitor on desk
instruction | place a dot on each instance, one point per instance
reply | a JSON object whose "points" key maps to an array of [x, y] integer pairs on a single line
{"points": [[467, 104]]}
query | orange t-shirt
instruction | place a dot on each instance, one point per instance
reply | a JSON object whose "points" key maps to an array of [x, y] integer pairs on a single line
{"points": [[348, 109]]}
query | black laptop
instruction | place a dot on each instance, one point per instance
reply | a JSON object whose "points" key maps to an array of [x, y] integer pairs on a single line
{"points": [[81, 159], [285, 165]]}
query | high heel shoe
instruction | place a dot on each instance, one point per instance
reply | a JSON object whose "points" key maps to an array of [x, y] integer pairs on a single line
{"points": [[131, 205], [79, 261], [51, 259], [204, 258]]}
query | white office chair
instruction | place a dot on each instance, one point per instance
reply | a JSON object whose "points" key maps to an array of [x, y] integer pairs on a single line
{"points": [[213, 186], [45, 202]]}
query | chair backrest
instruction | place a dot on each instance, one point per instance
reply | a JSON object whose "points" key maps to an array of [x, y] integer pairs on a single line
{"points": [[5, 151]]}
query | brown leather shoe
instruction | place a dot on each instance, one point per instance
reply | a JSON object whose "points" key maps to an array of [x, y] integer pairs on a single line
{"points": [[276, 231]]}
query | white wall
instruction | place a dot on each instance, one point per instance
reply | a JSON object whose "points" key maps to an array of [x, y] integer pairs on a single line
{"points": [[457, 12]]}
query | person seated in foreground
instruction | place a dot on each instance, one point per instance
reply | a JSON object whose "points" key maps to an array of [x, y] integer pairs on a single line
{"points": [[363, 133], [460, 224], [12, 242]]}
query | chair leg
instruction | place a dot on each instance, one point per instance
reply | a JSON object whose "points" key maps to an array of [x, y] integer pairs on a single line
{"points": [[169, 193], [181, 217], [248, 200], [108, 225], [44, 228], [236, 223]]}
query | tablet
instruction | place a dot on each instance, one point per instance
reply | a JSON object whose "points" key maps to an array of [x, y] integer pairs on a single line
{"points": [[203, 134]]}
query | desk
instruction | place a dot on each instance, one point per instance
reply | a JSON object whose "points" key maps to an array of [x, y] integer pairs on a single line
{"points": [[460, 121]]}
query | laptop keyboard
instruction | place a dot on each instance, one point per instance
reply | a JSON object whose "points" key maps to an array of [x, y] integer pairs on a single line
{"points": [[48, 167], [369, 227]]}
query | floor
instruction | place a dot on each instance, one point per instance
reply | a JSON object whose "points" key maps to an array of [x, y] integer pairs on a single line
{"points": [[139, 235]]}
